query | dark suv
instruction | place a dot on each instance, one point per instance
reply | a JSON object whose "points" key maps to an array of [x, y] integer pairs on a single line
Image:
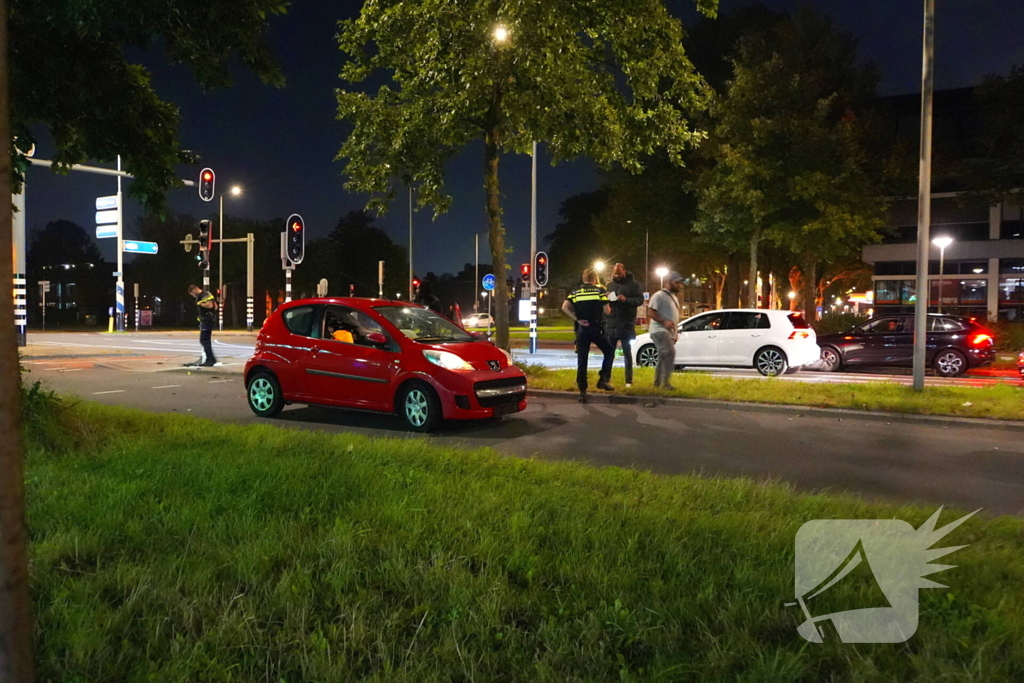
{"points": [[954, 344]]}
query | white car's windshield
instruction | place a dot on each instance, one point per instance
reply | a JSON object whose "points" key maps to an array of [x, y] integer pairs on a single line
{"points": [[422, 324]]}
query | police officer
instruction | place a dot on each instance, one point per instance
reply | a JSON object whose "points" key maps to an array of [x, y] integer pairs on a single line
{"points": [[588, 305], [206, 306]]}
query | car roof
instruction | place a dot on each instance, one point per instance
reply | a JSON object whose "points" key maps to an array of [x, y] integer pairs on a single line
{"points": [[364, 303]]}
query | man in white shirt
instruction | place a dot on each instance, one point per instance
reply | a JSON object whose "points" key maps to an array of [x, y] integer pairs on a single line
{"points": [[663, 311]]}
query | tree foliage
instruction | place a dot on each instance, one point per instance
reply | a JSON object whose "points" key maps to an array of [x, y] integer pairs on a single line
{"points": [[69, 72], [787, 146], [609, 80]]}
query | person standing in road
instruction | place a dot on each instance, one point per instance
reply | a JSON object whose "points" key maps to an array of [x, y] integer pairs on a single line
{"points": [[206, 306], [663, 311], [624, 295], [587, 306]]}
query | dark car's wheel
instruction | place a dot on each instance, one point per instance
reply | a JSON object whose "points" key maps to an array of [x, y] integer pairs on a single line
{"points": [[647, 356], [419, 406], [264, 394], [770, 361], [831, 361], [950, 363]]}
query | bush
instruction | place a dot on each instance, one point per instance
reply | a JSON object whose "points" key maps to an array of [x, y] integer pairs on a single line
{"points": [[834, 323], [1009, 336]]}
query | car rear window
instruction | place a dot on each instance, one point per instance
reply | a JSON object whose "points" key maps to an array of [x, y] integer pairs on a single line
{"points": [[798, 321], [299, 320]]}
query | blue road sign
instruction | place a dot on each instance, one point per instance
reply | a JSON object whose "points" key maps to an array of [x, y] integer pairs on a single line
{"points": [[137, 247], [488, 282], [104, 231]]}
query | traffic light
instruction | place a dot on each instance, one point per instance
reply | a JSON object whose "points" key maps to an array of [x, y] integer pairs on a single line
{"points": [[415, 282], [540, 269], [206, 181], [205, 235], [295, 240], [525, 270]]}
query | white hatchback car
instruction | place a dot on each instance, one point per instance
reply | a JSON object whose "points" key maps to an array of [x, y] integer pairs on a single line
{"points": [[477, 320], [772, 342]]}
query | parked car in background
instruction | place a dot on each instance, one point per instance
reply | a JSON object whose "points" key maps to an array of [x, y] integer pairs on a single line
{"points": [[773, 342], [953, 344], [477, 320], [382, 356]]}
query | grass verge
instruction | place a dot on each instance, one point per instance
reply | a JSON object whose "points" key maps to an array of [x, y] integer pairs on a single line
{"points": [[996, 401], [166, 548]]}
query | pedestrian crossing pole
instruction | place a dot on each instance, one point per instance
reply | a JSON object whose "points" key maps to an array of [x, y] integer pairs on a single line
{"points": [[288, 266], [20, 282], [249, 301]]}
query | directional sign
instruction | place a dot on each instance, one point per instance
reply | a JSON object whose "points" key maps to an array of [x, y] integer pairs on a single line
{"points": [[137, 247], [44, 285], [106, 217], [105, 231], [488, 282], [103, 203]]}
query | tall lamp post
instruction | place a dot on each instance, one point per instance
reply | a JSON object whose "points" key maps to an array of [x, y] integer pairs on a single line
{"points": [[942, 243], [924, 194], [661, 273], [235, 191]]}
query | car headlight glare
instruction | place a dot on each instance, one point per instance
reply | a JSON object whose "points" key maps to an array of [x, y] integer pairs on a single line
{"points": [[446, 360]]}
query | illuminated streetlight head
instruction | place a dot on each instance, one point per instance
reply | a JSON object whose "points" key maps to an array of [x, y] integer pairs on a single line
{"points": [[599, 266], [500, 34], [942, 242], [661, 272], [236, 190], [792, 295]]}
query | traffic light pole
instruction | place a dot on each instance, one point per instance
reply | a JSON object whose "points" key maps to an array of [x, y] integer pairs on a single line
{"points": [[119, 292], [533, 251], [250, 242]]}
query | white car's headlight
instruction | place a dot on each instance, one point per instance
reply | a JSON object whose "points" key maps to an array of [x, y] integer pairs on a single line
{"points": [[446, 360]]}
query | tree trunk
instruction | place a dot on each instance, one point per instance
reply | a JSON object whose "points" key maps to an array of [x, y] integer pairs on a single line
{"points": [[15, 606], [795, 287], [810, 283], [718, 282], [733, 282], [766, 287], [497, 237], [755, 240]]}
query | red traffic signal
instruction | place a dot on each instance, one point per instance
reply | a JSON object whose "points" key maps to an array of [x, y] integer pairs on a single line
{"points": [[540, 269], [415, 282], [295, 242], [207, 178], [525, 270]]}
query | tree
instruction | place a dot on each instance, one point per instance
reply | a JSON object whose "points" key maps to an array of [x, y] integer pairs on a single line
{"points": [[573, 244], [64, 243], [787, 145], [59, 242], [995, 171], [605, 79], [69, 72]]}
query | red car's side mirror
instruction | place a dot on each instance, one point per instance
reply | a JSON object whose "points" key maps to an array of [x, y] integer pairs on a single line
{"points": [[377, 338]]}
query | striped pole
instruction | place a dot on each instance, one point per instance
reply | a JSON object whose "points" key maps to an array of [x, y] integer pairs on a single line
{"points": [[533, 323], [20, 313], [287, 285], [249, 314]]}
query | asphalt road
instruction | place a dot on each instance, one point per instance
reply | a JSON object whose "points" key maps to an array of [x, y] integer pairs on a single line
{"points": [[928, 462], [157, 350]]}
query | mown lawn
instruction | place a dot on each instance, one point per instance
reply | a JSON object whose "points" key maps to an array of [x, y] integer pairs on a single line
{"points": [[1002, 401], [167, 548]]}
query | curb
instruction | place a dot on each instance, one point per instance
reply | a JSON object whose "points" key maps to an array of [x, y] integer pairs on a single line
{"points": [[780, 409]]}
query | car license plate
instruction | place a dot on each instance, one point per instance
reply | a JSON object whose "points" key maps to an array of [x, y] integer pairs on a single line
{"points": [[506, 409]]}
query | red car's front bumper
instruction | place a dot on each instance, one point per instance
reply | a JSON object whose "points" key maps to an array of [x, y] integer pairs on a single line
{"points": [[478, 395]]}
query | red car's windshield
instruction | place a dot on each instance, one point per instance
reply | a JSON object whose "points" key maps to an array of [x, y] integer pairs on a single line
{"points": [[422, 324]]}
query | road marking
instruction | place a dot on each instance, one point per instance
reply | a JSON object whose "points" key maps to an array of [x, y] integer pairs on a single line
{"points": [[65, 369], [167, 386], [115, 391], [218, 381]]}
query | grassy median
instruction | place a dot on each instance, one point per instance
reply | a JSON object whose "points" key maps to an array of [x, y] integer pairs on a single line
{"points": [[167, 548], [996, 401]]}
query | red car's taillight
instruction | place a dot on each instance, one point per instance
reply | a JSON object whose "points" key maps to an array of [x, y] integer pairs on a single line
{"points": [[799, 334]]}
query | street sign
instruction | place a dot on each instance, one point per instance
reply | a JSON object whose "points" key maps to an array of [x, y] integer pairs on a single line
{"points": [[137, 247], [45, 285], [105, 231], [104, 203], [106, 217], [188, 243], [488, 282]]}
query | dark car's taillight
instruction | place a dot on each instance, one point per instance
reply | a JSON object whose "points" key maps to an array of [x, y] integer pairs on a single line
{"points": [[982, 339]]}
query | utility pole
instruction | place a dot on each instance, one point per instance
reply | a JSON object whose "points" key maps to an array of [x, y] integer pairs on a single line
{"points": [[20, 281], [476, 276], [119, 295], [411, 293], [220, 269], [250, 247], [924, 196]]}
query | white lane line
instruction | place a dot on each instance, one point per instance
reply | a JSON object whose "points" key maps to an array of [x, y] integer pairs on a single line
{"points": [[167, 386], [115, 391], [218, 381], [63, 370]]}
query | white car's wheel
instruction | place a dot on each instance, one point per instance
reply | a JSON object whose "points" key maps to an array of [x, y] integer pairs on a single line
{"points": [[647, 356], [770, 361]]}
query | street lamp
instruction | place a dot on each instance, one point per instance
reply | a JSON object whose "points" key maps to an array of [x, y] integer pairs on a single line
{"points": [[941, 243], [500, 34], [235, 191], [662, 272], [599, 267]]}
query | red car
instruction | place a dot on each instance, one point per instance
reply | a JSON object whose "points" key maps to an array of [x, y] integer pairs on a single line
{"points": [[383, 356]]}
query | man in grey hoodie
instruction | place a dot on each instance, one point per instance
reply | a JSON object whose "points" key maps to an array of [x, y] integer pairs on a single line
{"points": [[624, 295]]}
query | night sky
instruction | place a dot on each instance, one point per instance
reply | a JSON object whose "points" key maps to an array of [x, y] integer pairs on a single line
{"points": [[279, 144]]}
